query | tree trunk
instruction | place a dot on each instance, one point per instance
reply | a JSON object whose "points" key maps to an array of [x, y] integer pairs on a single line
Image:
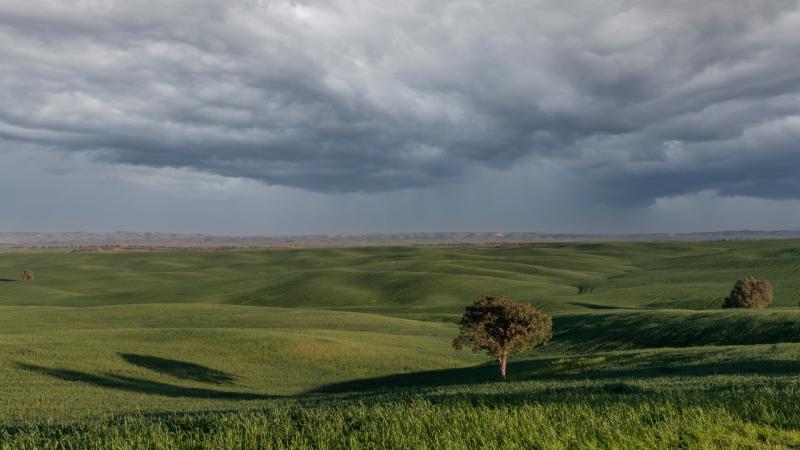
{"points": [[503, 363]]}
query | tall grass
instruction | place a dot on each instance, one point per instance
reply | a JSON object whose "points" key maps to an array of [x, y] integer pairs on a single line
{"points": [[420, 423]]}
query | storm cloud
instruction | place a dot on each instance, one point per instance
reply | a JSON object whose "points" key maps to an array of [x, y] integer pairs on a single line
{"points": [[638, 100]]}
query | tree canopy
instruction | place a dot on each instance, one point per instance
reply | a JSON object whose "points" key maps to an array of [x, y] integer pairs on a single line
{"points": [[501, 327], [749, 292]]}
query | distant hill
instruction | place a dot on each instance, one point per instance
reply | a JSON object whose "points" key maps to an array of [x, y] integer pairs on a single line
{"points": [[155, 239]]}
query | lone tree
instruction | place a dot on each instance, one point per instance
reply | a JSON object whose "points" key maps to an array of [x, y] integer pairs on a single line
{"points": [[27, 275], [501, 326], [749, 292]]}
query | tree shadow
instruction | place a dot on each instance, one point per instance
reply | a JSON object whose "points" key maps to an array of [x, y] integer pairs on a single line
{"points": [[619, 368], [139, 385], [179, 369], [588, 305], [485, 373]]}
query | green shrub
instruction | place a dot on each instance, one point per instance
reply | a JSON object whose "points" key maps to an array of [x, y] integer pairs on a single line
{"points": [[749, 292]]}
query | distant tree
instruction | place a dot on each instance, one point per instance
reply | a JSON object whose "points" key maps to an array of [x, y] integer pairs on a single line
{"points": [[749, 292], [501, 327], [27, 275]]}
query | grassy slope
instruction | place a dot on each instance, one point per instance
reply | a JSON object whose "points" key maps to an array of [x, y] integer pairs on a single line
{"points": [[61, 362], [67, 362], [625, 339], [624, 329], [408, 280]]}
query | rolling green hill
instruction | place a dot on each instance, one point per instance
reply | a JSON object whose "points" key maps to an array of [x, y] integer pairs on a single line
{"points": [[343, 347], [161, 357], [411, 280]]}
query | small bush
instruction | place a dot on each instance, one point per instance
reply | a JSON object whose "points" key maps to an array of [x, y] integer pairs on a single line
{"points": [[749, 292]]}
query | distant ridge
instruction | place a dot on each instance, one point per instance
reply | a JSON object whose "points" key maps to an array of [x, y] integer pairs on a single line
{"points": [[80, 239]]}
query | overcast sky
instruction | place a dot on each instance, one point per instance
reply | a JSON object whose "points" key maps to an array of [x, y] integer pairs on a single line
{"points": [[273, 117]]}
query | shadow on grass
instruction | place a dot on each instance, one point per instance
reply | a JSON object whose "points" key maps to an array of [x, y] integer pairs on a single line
{"points": [[178, 369], [618, 330], [139, 385], [613, 369], [5, 280], [594, 305]]}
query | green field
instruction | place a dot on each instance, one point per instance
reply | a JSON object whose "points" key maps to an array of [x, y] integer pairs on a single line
{"points": [[350, 348]]}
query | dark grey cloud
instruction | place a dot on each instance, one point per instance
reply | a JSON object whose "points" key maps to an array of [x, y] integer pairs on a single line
{"points": [[639, 100]]}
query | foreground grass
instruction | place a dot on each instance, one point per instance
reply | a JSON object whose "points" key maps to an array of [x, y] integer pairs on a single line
{"points": [[610, 416], [217, 376]]}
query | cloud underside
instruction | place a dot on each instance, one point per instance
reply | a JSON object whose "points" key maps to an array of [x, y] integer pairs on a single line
{"points": [[639, 100]]}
